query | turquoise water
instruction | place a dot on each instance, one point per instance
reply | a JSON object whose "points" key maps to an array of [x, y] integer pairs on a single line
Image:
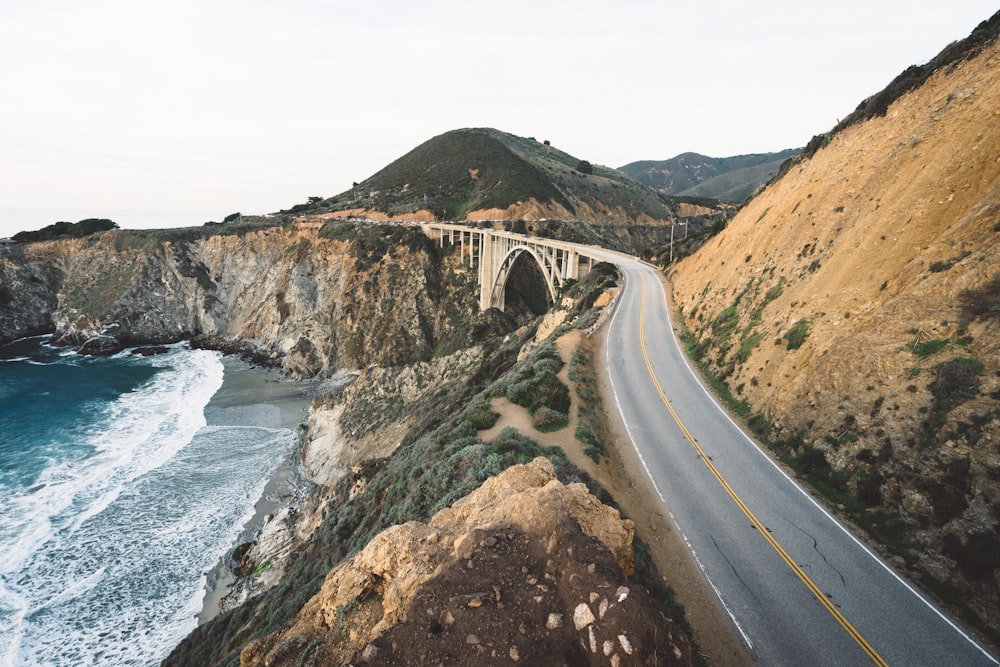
{"points": [[121, 485]]}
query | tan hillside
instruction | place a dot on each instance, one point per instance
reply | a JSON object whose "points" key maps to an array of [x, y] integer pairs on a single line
{"points": [[874, 255]]}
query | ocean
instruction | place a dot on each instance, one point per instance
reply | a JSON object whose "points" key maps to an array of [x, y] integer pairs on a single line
{"points": [[123, 481]]}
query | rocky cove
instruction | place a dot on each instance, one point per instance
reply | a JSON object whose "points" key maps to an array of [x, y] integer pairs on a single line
{"points": [[392, 441]]}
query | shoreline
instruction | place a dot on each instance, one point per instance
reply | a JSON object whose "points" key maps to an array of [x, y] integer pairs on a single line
{"points": [[245, 385]]}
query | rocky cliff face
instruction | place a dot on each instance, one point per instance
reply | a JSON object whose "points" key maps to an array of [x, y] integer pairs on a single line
{"points": [[523, 570], [29, 281], [853, 307], [288, 295]]}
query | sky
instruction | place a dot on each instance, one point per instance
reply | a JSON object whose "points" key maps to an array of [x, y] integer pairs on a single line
{"points": [[167, 114]]}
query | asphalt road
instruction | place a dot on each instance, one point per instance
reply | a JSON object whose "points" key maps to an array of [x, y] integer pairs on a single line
{"points": [[799, 588]]}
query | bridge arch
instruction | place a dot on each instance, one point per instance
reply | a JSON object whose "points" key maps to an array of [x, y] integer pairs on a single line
{"points": [[552, 278], [496, 252]]}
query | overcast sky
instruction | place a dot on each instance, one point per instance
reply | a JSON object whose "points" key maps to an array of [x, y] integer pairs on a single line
{"points": [[182, 111]]}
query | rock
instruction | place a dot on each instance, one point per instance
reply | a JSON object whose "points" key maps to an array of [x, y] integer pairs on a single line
{"points": [[370, 653], [401, 574], [100, 346], [150, 351], [582, 616]]}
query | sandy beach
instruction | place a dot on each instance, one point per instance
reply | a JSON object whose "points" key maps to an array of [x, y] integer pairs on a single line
{"points": [[284, 402]]}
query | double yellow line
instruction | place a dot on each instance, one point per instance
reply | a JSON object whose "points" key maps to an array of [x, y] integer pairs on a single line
{"points": [[813, 588]]}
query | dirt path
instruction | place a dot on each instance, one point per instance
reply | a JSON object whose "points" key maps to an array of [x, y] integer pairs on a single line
{"points": [[622, 474]]}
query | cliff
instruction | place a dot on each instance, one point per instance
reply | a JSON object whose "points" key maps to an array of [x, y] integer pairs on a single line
{"points": [[30, 277], [391, 451], [851, 312], [287, 295], [523, 570]]}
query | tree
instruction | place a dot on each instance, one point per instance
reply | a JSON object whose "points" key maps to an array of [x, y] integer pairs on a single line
{"points": [[585, 167], [63, 230]]}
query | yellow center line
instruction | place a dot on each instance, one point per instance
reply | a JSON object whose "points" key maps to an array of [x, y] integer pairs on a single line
{"points": [[813, 588]]}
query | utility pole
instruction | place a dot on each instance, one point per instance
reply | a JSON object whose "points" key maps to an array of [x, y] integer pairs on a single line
{"points": [[671, 243]]}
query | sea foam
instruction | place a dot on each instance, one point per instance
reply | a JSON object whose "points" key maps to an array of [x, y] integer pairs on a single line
{"points": [[105, 552]]}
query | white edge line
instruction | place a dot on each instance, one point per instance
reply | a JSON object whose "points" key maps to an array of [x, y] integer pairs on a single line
{"points": [[649, 475], [842, 527]]}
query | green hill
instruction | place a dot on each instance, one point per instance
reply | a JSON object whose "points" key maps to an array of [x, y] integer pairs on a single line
{"points": [[480, 169], [692, 174]]}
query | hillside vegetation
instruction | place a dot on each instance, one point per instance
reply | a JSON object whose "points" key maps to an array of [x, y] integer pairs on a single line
{"points": [[486, 174], [850, 311], [731, 179]]}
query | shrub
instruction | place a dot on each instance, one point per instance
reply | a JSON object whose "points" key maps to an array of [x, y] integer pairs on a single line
{"points": [[64, 230], [511, 441], [748, 345], [927, 348], [797, 334], [481, 416], [541, 389], [547, 420]]}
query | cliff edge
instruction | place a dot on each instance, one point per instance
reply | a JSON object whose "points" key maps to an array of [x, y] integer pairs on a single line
{"points": [[523, 570]]}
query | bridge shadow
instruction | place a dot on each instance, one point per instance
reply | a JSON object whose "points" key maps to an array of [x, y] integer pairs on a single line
{"points": [[526, 296]]}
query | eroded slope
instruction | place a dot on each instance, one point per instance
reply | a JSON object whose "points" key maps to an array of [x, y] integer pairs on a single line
{"points": [[852, 307]]}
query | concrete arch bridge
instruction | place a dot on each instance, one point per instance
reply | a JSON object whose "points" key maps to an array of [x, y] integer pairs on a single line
{"points": [[495, 252]]}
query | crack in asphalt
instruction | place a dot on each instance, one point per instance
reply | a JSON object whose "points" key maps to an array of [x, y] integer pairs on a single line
{"points": [[730, 564], [816, 549]]}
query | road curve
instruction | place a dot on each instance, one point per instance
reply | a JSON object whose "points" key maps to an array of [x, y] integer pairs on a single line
{"points": [[800, 589]]}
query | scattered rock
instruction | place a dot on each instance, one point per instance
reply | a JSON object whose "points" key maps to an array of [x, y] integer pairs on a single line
{"points": [[582, 616], [404, 591]]}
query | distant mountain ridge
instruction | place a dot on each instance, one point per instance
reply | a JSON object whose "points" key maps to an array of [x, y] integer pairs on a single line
{"points": [[695, 175]]}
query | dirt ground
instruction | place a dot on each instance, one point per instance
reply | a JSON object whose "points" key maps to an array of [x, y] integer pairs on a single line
{"points": [[622, 474]]}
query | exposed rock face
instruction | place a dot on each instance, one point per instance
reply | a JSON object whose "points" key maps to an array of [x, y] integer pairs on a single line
{"points": [[29, 279], [524, 569], [288, 296], [366, 419], [837, 305]]}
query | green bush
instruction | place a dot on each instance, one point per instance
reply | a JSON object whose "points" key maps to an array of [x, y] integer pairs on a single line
{"points": [[511, 441], [927, 348], [748, 345], [547, 420], [797, 334], [481, 416], [541, 389], [67, 230]]}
